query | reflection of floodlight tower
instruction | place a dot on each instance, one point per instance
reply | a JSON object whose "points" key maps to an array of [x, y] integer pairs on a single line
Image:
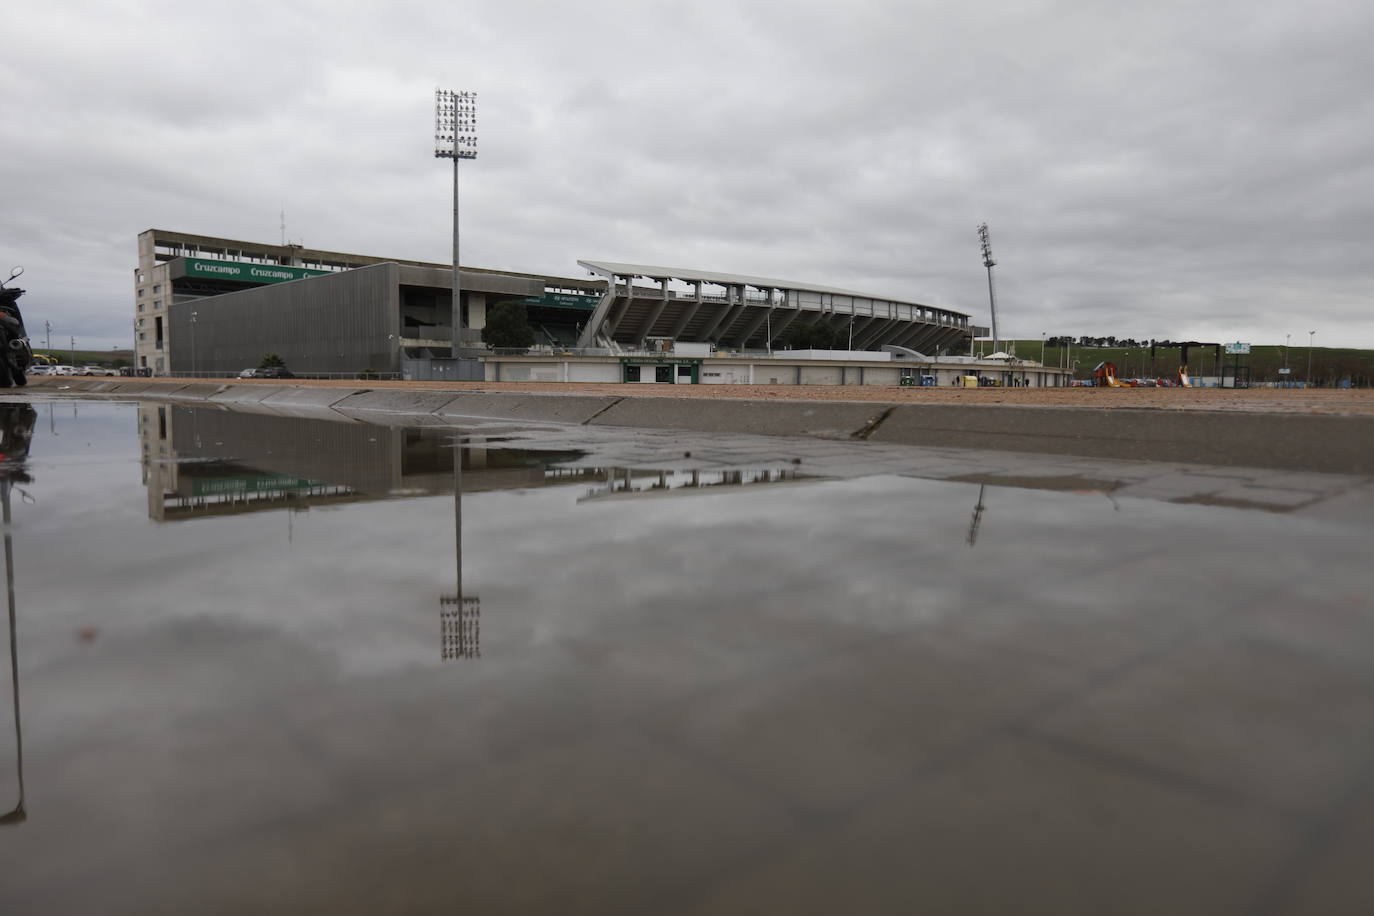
{"points": [[460, 618], [977, 519], [988, 262], [18, 815], [455, 137]]}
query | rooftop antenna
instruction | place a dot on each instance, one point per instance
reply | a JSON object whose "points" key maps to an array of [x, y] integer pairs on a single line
{"points": [[988, 262]]}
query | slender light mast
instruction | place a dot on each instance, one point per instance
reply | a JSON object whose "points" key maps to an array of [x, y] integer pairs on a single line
{"points": [[988, 262], [455, 137]]}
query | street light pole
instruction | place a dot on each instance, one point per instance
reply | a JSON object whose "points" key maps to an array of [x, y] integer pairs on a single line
{"points": [[986, 242], [73, 342], [1310, 335], [194, 315], [455, 137]]}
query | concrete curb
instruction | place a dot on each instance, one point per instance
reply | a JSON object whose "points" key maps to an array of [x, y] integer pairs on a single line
{"points": [[1316, 442], [392, 401], [306, 397], [244, 394], [199, 391], [766, 418], [549, 408]]}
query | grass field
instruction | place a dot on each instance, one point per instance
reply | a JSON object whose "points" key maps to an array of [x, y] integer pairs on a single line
{"points": [[90, 357]]}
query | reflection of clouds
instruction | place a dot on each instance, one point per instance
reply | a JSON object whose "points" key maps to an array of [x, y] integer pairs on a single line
{"points": [[246, 690], [671, 588], [356, 575], [148, 678]]}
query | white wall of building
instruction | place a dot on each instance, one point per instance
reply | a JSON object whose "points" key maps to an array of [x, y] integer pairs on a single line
{"points": [[821, 375], [724, 373], [777, 371], [593, 372]]}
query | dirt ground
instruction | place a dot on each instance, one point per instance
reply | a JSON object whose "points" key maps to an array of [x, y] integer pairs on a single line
{"points": [[1325, 401]]}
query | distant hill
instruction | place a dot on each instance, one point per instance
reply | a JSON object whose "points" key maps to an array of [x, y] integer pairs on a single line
{"points": [[1330, 365]]}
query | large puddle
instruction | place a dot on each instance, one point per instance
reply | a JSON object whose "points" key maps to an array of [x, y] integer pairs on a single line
{"points": [[288, 664]]}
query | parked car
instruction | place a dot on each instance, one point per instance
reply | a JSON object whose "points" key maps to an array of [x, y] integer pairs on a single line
{"points": [[63, 370], [40, 369], [274, 372], [249, 373], [96, 370]]}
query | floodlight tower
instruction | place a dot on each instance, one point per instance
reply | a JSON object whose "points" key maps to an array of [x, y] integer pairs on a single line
{"points": [[455, 137], [988, 262]]}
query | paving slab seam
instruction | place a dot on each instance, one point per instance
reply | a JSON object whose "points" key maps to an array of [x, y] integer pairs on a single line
{"points": [[872, 427], [601, 411]]}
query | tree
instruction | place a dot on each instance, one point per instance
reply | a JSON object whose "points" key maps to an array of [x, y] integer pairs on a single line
{"points": [[508, 327], [270, 360], [819, 336]]}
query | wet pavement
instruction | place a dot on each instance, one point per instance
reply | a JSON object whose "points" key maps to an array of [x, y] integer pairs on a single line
{"points": [[274, 664]]}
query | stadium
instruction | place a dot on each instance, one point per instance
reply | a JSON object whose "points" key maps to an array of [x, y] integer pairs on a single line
{"points": [[208, 306]]}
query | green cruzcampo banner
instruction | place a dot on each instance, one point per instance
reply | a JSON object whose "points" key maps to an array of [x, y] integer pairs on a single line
{"points": [[564, 301], [246, 273]]}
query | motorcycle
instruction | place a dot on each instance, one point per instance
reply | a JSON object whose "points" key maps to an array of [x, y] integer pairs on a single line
{"points": [[16, 354]]}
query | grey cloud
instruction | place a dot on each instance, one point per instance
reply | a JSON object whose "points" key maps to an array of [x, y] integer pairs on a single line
{"points": [[1166, 170]]}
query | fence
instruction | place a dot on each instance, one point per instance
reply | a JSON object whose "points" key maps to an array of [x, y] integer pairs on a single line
{"points": [[365, 374]]}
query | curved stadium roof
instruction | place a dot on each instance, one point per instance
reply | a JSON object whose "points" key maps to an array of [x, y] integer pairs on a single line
{"points": [[656, 272]]}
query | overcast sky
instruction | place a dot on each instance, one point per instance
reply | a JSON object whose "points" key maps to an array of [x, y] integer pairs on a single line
{"points": [[1175, 169]]}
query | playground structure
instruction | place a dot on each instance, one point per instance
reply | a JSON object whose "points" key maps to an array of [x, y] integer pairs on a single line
{"points": [[1105, 376], [1184, 377]]}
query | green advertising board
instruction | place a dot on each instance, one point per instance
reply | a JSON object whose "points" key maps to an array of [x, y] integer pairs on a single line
{"points": [[244, 272], [267, 483], [563, 301]]}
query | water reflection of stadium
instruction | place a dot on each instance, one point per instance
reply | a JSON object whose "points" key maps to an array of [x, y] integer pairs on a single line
{"points": [[199, 462]]}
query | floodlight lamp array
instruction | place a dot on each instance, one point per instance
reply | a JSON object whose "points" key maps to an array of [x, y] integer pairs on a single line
{"points": [[455, 124], [987, 245]]}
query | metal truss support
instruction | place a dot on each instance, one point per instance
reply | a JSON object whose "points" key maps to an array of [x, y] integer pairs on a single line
{"points": [[619, 315], [781, 326], [890, 334], [752, 327], [598, 318], [681, 324], [740, 308], [726, 308], [861, 329], [914, 337], [653, 316], [874, 334]]}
